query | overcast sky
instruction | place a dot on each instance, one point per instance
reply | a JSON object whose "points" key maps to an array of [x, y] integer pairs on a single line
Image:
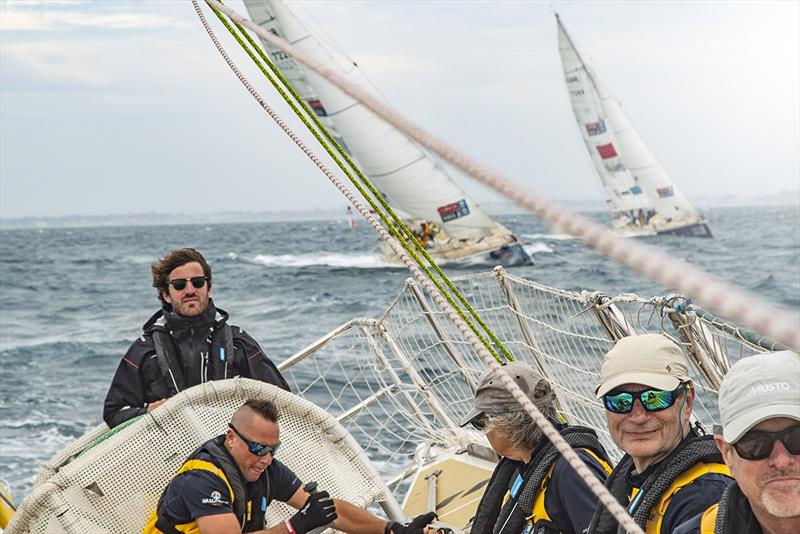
{"points": [[126, 107]]}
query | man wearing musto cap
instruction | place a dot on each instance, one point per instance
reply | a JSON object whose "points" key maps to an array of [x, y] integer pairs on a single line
{"points": [[670, 471], [533, 490], [759, 408]]}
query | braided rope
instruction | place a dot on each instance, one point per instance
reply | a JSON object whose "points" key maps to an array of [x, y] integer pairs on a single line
{"points": [[548, 429], [723, 298]]}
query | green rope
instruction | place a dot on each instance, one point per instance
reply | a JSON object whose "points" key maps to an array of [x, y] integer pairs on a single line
{"points": [[395, 226]]}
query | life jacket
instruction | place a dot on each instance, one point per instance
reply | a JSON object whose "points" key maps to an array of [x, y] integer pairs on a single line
{"points": [[249, 512], [498, 515], [691, 459], [213, 365], [718, 518]]}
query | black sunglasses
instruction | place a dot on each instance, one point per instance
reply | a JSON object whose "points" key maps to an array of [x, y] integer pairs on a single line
{"points": [[180, 283], [259, 449], [757, 444], [479, 423], [653, 400]]}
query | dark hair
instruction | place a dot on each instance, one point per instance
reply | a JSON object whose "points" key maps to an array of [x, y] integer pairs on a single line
{"points": [[163, 266], [265, 409]]}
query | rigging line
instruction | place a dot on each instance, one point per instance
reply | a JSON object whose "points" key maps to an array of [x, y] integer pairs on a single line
{"points": [[722, 298], [399, 223], [382, 216], [597, 487]]}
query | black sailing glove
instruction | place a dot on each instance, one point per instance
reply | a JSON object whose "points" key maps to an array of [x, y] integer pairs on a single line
{"points": [[415, 526], [317, 511]]}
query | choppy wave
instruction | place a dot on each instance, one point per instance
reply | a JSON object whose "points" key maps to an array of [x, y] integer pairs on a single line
{"points": [[326, 259], [537, 248], [550, 237]]}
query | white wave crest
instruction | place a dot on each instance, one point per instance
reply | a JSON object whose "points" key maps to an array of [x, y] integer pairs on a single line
{"points": [[537, 248], [357, 261], [551, 237]]}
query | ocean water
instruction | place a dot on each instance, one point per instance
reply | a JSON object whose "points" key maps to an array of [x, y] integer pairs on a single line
{"points": [[73, 299]]}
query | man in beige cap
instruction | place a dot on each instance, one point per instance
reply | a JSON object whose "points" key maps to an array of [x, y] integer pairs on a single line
{"points": [[532, 489], [759, 408], [670, 471]]}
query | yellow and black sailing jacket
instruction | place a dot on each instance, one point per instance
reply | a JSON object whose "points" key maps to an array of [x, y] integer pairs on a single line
{"points": [[522, 509], [694, 457], [220, 464]]}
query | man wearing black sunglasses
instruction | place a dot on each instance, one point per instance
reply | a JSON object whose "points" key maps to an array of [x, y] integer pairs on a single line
{"points": [[187, 342], [226, 485], [670, 471], [759, 408]]}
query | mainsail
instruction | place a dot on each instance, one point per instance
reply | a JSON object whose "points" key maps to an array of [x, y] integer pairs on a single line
{"points": [[407, 177], [630, 174]]}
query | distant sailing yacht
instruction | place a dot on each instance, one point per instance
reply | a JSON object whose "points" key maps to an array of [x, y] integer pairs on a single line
{"points": [[645, 200], [449, 223]]}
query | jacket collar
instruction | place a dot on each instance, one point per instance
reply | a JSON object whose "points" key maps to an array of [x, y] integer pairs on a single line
{"points": [[167, 319]]}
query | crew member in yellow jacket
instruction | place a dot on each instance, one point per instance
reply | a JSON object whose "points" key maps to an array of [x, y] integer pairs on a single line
{"points": [[225, 486], [671, 471]]}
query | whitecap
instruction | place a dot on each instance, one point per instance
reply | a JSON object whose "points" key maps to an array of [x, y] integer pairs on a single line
{"points": [[357, 261], [537, 248], [552, 237]]}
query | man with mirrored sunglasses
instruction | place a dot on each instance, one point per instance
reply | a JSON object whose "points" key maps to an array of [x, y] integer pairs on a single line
{"points": [[187, 342], [759, 437], [671, 470], [226, 485]]}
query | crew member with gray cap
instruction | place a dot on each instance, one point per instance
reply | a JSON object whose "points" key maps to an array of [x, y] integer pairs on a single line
{"points": [[670, 471], [533, 489], [759, 408]]}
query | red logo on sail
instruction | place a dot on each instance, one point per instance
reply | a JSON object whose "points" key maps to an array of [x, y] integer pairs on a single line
{"points": [[317, 106], [665, 192], [596, 128], [606, 151], [453, 211]]}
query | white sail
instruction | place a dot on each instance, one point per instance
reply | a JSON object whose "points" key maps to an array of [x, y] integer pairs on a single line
{"points": [[628, 170], [404, 174]]}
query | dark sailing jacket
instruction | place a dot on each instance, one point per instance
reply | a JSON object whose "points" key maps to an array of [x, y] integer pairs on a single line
{"points": [[524, 510], [213, 457], [695, 461], [175, 352], [731, 515]]}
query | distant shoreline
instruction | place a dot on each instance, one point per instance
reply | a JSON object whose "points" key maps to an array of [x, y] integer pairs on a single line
{"points": [[788, 199]]}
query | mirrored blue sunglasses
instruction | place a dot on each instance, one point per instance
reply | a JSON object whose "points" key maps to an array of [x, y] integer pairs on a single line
{"points": [[259, 449], [653, 400]]}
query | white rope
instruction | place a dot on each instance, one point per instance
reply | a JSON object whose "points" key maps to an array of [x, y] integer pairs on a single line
{"points": [[548, 429], [724, 299]]}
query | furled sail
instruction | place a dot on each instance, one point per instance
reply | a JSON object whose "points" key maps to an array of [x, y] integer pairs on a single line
{"points": [[630, 173], [409, 179]]}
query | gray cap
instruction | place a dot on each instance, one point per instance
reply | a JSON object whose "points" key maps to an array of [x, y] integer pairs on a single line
{"points": [[492, 395], [759, 388], [650, 360]]}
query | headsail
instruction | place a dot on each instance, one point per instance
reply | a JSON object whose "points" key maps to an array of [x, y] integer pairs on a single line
{"points": [[631, 175], [405, 175]]}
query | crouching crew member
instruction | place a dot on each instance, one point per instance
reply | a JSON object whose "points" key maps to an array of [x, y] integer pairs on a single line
{"points": [[533, 489], [759, 408], [670, 471], [225, 486]]}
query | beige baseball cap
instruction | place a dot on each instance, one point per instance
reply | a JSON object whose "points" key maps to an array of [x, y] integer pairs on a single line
{"points": [[650, 360], [758, 388]]}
